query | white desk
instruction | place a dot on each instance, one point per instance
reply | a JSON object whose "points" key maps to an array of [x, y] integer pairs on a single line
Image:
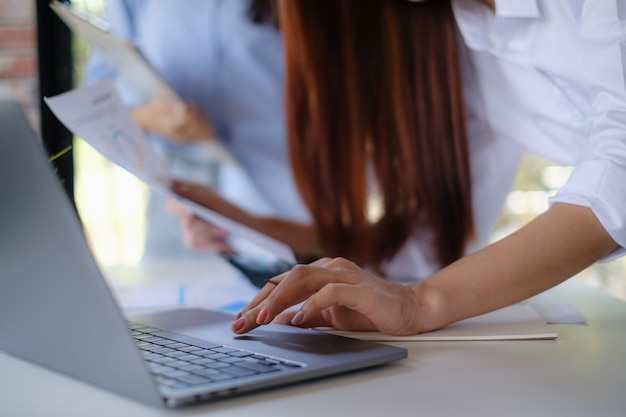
{"points": [[582, 373]]}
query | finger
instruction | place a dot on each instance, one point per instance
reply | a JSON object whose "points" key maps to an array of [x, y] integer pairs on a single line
{"points": [[160, 115], [206, 244], [262, 294], [174, 111], [295, 286], [339, 318], [197, 125], [338, 305], [191, 191], [175, 207], [203, 236], [245, 320], [285, 317], [304, 280], [195, 225]]}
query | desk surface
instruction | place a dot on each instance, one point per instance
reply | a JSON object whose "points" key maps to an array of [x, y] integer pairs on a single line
{"points": [[581, 373]]}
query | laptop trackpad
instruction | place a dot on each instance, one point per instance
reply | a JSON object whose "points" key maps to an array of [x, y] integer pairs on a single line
{"points": [[294, 342]]}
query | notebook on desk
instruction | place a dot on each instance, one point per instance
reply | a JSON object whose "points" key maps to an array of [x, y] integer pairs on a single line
{"points": [[56, 309]]}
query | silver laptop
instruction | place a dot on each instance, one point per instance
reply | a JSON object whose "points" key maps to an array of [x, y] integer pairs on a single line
{"points": [[56, 309]]}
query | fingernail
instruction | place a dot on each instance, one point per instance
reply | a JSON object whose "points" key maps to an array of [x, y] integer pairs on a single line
{"points": [[239, 324], [260, 319], [238, 315], [298, 317]]}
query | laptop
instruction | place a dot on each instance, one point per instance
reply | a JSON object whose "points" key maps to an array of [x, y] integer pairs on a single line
{"points": [[56, 309]]}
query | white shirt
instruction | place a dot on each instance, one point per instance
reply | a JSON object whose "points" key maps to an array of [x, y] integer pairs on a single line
{"points": [[544, 76]]}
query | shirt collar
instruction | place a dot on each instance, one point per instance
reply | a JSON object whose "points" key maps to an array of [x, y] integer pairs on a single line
{"points": [[518, 8]]}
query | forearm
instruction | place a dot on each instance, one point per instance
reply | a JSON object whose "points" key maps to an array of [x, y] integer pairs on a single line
{"points": [[550, 249], [301, 238]]}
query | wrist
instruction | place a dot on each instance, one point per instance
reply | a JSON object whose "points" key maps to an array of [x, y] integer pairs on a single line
{"points": [[431, 306]]}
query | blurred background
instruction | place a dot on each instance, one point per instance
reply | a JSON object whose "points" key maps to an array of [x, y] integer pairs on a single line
{"points": [[112, 202]]}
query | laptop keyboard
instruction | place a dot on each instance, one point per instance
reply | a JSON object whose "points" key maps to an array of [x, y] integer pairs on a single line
{"points": [[180, 365]]}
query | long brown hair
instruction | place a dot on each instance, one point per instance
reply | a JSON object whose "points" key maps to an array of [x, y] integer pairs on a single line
{"points": [[375, 86]]}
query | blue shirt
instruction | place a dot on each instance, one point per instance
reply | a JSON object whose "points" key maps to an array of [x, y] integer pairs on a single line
{"points": [[212, 55]]}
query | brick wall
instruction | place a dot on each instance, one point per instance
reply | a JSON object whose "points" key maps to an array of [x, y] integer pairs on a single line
{"points": [[18, 54]]}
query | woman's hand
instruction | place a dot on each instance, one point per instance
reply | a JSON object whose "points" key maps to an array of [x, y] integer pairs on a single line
{"points": [[338, 294], [301, 238], [199, 234], [180, 122], [553, 247]]}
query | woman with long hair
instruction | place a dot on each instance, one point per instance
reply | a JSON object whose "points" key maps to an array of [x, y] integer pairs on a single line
{"points": [[406, 125]]}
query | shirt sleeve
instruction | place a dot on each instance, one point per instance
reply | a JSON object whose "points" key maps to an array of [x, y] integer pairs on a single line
{"points": [[599, 182]]}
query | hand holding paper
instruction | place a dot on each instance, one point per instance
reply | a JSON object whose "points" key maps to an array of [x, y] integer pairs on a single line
{"points": [[163, 112], [97, 114], [173, 119]]}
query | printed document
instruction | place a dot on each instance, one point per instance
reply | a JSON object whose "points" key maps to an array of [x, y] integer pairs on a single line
{"points": [[97, 114]]}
